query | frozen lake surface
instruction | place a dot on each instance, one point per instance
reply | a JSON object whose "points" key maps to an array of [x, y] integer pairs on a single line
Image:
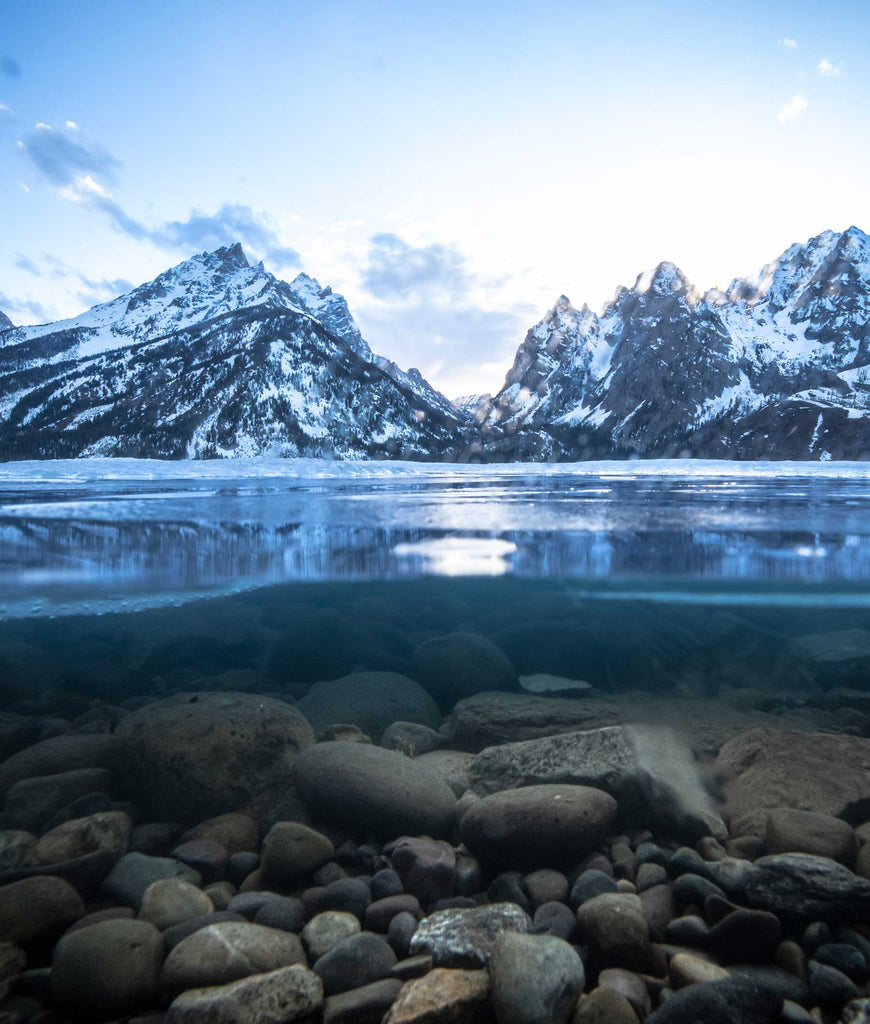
{"points": [[112, 534]]}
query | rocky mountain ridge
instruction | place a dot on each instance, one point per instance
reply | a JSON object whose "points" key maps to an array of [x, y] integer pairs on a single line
{"points": [[774, 367], [219, 358]]}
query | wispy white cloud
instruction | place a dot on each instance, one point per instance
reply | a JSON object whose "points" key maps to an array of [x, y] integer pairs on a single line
{"points": [[788, 43], [829, 70], [72, 125], [793, 109]]}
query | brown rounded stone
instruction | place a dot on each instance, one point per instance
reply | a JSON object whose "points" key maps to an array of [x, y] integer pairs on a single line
{"points": [[37, 906], [107, 830], [108, 969], [201, 754], [794, 831], [236, 833], [537, 826]]}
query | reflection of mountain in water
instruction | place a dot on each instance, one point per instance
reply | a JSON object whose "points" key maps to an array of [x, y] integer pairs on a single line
{"points": [[67, 560]]}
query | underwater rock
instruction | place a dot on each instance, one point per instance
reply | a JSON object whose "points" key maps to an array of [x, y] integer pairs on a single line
{"points": [[614, 927], [465, 937], [369, 700], [734, 1000], [355, 961], [765, 769], [537, 826], [544, 684], [30, 803], [648, 769], [839, 658], [197, 755], [364, 1005], [107, 970], [170, 901], [801, 885], [62, 754], [373, 790], [225, 952], [276, 997], [461, 664], [442, 995], [453, 766], [491, 719], [292, 850], [236, 833], [109, 830], [35, 907], [534, 979], [411, 739], [604, 1006], [134, 872], [327, 929], [790, 830], [426, 867]]}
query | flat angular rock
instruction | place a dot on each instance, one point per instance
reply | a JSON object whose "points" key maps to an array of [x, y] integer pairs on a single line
{"points": [[492, 719], [765, 769], [464, 938], [275, 997], [442, 995], [803, 886], [650, 771], [839, 658], [373, 790], [537, 826]]}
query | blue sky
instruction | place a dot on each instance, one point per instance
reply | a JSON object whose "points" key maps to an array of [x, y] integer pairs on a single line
{"points": [[452, 168]]}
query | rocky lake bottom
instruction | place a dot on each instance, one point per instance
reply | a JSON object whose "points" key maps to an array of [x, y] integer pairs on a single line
{"points": [[438, 800], [289, 741]]}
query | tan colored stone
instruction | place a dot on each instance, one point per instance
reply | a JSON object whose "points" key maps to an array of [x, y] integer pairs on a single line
{"points": [[107, 830], [236, 832], [686, 969], [604, 1006], [764, 769], [170, 901], [276, 997], [443, 996]]}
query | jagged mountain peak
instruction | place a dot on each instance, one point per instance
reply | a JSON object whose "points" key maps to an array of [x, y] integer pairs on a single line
{"points": [[5, 323], [664, 279]]}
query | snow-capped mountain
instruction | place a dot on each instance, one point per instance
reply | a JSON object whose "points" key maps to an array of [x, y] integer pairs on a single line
{"points": [[214, 358], [774, 367], [5, 323]]}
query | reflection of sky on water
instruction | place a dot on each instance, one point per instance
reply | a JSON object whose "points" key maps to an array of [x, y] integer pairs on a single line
{"points": [[716, 525]]}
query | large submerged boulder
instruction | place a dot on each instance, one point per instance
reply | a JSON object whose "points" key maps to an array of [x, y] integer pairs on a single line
{"points": [[370, 700], [489, 719], [765, 769], [193, 756], [648, 769], [373, 790]]}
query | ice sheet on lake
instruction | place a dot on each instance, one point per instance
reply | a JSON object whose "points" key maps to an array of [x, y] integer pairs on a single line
{"points": [[114, 533]]}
